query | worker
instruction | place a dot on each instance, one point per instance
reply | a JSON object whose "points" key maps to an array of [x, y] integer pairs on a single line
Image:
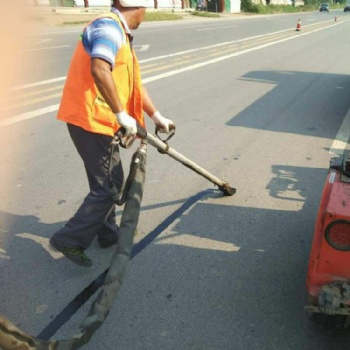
{"points": [[103, 92]]}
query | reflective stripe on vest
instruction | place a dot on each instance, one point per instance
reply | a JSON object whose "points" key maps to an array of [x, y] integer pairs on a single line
{"points": [[81, 102]]}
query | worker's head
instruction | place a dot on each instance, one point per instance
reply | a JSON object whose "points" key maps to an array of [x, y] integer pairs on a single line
{"points": [[133, 11]]}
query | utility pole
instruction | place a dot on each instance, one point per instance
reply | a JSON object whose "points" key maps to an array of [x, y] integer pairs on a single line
{"points": [[86, 3]]}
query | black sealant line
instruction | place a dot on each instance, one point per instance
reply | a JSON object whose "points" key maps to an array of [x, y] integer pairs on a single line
{"points": [[91, 289]]}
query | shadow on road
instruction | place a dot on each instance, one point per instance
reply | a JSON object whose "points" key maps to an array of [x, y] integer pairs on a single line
{"points": [[222, 276]]}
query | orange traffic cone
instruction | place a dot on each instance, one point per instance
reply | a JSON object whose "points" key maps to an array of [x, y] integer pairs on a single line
{"points": [[298, 26]]}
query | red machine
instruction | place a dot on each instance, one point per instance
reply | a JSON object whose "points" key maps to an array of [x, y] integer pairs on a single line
{"points": [[328, 278]]}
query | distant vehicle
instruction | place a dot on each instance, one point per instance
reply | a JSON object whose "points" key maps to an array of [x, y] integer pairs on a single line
{"points": [[347, 8], [201, 5], [324, 7]]}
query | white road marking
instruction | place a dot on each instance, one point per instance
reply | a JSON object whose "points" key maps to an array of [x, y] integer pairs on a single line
{"points": [[43, 82], [139, 48], [42, 41], [339, 143], [3, 254], [342, 138], [28, 115], [209, 47], [216, 28], [187, 240], [222, 58], [46, 48], [44, 242], [63, 31]]}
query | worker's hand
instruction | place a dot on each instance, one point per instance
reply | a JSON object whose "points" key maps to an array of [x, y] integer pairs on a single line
{"points": [[164, 125], [127, 122]]}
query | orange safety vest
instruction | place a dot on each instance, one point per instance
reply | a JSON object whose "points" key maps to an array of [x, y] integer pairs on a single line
{"points": [[84, 106]]}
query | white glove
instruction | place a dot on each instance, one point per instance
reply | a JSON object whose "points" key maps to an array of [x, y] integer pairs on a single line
{"points": [[163, 124], [127, 122]]}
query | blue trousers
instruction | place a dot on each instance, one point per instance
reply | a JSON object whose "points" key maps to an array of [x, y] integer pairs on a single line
{"points": [[96, 216]]}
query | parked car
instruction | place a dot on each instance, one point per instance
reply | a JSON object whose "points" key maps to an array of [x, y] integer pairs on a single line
{"points": [[347, 8], [324, 7]]}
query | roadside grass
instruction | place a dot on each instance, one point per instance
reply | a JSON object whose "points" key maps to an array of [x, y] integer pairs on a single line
{"points": [[149, 17], [271, 9], [249, 7], [71, 23], [205, 14], [161, 16]]}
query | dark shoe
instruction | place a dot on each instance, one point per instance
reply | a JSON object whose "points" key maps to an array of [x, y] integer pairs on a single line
{"points": [[75, 254], [106, 244]]}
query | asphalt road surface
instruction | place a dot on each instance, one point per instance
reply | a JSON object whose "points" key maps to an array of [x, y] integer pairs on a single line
{"points": [[257, 104]]}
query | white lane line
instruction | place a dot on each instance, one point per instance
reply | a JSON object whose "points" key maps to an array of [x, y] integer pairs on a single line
{"points": [[44, 82], [46, 48], [42, 41], [139, 48], [57, 33], [341, 140], [50, 81], [39, 112], [229, 43], [216, 28], [222, 58], [210, 47], [28, 115]]}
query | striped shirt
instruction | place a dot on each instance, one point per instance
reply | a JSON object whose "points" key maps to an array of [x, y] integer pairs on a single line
{"points": [[104, 36]]}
